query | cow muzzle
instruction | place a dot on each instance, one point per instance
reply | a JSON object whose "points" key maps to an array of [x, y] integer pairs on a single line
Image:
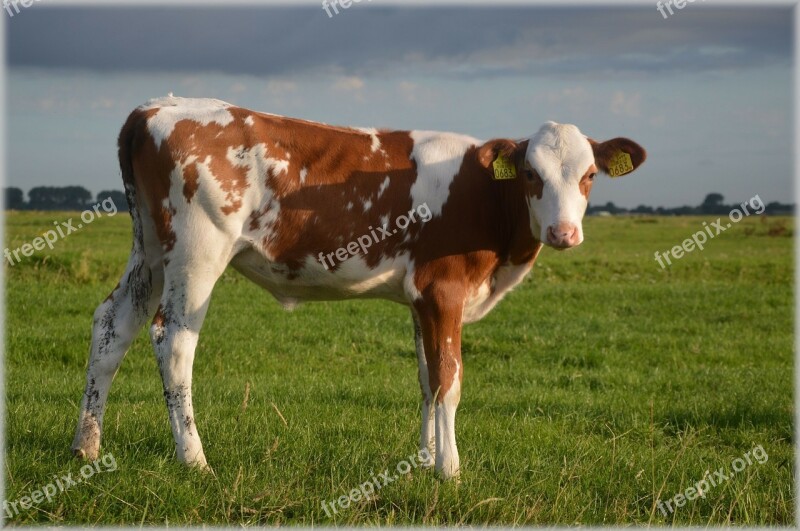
{"points": [[563, 236]]}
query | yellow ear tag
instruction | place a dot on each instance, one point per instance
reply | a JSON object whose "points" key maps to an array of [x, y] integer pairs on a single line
{"points": [[504, 169], [620, 164]]}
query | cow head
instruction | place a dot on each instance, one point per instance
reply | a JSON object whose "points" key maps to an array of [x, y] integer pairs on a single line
{"points": [[558, 166]]}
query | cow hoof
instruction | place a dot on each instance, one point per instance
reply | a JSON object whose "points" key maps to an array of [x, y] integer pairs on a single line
{"points": [[88, 450], [198, 462], [427, 459], [86, 444], [203, 468], [454, 479], [448, 471], [84, 454]]}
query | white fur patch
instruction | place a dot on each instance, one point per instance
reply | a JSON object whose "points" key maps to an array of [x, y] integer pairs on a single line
{"points": [[447, 461], [373, 133], [313, 282], [384, 186], [439, 157], [172, 110]]}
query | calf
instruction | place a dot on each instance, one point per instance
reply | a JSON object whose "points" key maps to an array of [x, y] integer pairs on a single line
{"points": [[453, 224]]}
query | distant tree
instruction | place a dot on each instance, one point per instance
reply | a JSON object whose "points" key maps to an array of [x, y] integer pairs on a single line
{"points": [[713, 199], [642, 209], [15, 198], [684, 211], [118, 197], [777, 208], [59, 198], [713, 204], [613, 209]]}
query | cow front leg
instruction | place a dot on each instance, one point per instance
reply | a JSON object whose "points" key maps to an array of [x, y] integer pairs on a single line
{"points": [[427, 440], [441, 320]]}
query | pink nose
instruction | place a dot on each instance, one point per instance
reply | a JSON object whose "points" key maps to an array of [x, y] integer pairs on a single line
{"points": [[562, 236]]}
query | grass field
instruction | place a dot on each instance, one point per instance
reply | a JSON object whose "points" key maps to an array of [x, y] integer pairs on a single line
{"points": [[599, 386]]}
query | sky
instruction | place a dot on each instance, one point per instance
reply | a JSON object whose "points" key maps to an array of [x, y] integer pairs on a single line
{"points": [[707, 90]]}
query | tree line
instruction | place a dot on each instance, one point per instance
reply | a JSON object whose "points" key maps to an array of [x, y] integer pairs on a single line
{"points": [[713, 204], [79, 198], [60, 198]]}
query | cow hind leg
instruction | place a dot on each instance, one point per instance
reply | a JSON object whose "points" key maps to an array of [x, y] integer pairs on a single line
{"points": [[174, 333], [116, 322]]}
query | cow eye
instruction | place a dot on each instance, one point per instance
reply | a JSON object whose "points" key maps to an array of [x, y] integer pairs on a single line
{"points": [[592, 176], [529, 172]]}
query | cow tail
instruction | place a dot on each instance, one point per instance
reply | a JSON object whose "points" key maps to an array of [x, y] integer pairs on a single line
{"points": [[125, 145]]}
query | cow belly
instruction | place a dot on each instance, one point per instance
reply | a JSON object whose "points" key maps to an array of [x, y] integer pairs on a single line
{"points": [[312, 282]]}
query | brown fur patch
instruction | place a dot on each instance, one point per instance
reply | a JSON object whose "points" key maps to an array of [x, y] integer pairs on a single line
{"points": [[190, 184], [151, 173], [587, 181], [341, 169], [483, 225], [536, 184]]}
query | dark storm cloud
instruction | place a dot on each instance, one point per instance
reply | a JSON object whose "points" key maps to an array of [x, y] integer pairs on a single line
{"points": [[457, 41]]}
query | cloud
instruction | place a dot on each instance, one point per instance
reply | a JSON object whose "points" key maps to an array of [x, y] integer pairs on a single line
{"points": [[104, 104], [626, 104], [238, 88], [280, 87], [479, 42], [408, 91], [574, 98], [349, 83]]}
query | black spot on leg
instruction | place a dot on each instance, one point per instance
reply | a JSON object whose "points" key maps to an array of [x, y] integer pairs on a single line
{"points": [[92, 394], [140, 286], [175, 397], [108, 333]]}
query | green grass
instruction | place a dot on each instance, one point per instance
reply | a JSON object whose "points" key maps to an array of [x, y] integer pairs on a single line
{"points": [[601, 384]]}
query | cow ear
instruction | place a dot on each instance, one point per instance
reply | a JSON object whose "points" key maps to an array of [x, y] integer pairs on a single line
{"points": [[509, 151], [618, 157]]}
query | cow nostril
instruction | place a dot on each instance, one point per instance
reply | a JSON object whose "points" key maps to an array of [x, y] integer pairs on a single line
{"points": [[565, 234]]}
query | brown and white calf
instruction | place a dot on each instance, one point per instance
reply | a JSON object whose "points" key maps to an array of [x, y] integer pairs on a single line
{"points": [[280, 199]]}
